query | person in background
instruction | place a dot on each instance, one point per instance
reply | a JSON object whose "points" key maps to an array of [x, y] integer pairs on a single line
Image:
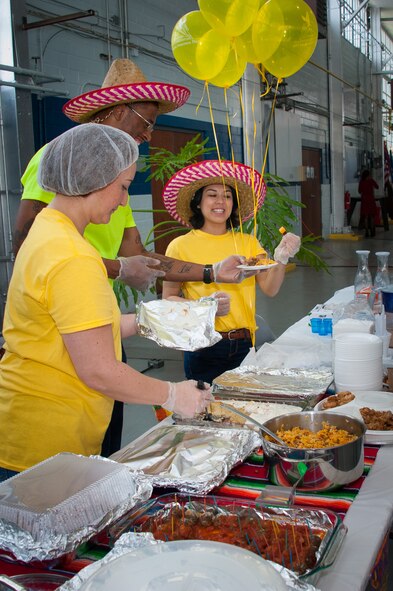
{"points": [[368, 205], [62, 367], [126, 101], [213, 197]]}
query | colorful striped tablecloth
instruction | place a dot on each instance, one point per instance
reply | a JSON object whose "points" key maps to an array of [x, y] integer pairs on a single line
{"points": [[245, 481], [250, 478]]}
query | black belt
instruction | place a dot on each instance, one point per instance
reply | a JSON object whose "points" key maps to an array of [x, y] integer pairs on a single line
{"points": [[236, 333]]}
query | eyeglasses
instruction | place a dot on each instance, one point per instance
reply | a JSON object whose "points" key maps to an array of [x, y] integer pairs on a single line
{"points": [[149, 125]]}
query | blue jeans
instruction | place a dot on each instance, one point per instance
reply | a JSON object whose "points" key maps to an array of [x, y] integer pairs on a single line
{"points": [[206, 364], [6, 474]]}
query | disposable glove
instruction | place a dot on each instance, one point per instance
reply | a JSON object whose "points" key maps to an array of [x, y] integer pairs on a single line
{"points": [[287, 248], [186, 400], [136, 272], [223, 302]]}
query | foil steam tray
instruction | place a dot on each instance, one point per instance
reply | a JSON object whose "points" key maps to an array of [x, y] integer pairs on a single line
{"points": [[51, 508], [304, 540], [301, 385], [251, 404], [192, 459]]}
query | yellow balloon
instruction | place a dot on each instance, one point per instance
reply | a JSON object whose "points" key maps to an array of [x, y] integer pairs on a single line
{"points": [[231, 72], [299, 32], [244, 44], [198, 49], [268, 29], [229, 17]]}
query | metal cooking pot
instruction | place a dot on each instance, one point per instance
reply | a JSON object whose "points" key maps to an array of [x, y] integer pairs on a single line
{"points": [[327, 468]]}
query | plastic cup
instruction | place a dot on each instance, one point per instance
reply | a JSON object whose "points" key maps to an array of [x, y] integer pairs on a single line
{"points": [[316, 325]]}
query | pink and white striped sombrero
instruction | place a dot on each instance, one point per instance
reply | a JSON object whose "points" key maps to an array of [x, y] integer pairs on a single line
{"points": [[125, 83], [181, 187]]}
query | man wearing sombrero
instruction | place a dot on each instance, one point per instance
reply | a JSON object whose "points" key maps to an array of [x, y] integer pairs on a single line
{"points": [[127, 102], [213, 197]]}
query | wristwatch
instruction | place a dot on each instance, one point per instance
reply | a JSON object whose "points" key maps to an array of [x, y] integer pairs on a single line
{"points": [[207, 274]]}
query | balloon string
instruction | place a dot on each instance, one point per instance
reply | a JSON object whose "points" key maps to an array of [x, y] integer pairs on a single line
{"points": [[233, 159], [202, 97]]}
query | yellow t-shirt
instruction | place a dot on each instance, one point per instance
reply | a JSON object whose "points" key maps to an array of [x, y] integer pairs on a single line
{"points": [[59, 286], [199, 247], [106, 238]]}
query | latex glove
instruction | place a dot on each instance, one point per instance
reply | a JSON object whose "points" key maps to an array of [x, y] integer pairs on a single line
{"points": [[136, 272], [287, 248], [227, 271], [186, 400], [223, 302]]}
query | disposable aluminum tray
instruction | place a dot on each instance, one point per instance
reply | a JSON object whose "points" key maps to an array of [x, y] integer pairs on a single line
{"points": [[191, 459], [51, 508], [209, 419], [305, 386], [276, 533]]}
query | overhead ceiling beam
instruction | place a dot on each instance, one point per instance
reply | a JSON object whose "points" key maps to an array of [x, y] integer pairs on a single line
{"points": [[355, 12], [57, 19]]}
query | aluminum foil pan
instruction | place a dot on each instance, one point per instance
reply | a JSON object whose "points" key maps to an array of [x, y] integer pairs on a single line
{"points": [[279, 534], [51, 508], [185, 325], [307, 385], [131, 542], [251, 404], [192, 459]]}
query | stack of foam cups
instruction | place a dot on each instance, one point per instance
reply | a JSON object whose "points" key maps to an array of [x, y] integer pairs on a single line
{"points": [[357, 361]]}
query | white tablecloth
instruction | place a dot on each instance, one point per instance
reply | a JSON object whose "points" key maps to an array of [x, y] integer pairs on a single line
{"points": [[370, 515]]}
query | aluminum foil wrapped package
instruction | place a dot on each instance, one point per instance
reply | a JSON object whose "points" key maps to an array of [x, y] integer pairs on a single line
{"points": [[137, 560], [192, 459], [185, 325], [51, 508], [304, 385]]}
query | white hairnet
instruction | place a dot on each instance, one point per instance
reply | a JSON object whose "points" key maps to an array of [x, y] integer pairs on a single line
{"points": [[86, 158]]}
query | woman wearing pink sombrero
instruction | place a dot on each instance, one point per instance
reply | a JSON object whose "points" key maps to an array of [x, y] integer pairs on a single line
{"points": [[212, 197]]}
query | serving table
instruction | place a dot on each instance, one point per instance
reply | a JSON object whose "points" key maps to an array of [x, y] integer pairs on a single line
{"points": [[366, 505]]}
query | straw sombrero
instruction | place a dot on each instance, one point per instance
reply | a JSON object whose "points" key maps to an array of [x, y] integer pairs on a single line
{"points": [[181, 187], [125, 83]]}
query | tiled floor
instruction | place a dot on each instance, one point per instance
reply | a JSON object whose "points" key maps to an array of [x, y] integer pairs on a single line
{"points": [[302, 290]]}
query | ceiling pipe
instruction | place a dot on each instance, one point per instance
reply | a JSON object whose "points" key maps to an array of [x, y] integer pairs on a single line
{"points": [[33, 87], [26, 72]]}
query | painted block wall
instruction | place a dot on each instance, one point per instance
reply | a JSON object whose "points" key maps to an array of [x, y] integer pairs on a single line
{"points": [[83, 61]]}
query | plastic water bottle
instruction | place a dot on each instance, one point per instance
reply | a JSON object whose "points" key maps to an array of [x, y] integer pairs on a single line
{"points": [[363, 280], [382, 278]]}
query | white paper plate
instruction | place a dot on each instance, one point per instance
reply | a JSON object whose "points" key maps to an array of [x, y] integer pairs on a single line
{"points": [[188, 564], [256, 267], [375, 400]]}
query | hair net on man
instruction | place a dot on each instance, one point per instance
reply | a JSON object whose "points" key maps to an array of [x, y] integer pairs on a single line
{"points": [[86, 158]]}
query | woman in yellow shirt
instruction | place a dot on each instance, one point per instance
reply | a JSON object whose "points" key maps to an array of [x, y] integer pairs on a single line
{"points": [[212, 197], [62, 369]]}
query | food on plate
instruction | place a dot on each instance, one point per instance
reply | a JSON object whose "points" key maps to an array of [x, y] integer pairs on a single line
{"points": [[260, 411], [293, 545], [338, 400], [377, 420], [328, 436], [261, 259]]}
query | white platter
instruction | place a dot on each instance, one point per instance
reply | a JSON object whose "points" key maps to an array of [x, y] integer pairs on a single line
{"points": [[188, 564], [375, 400], [256, 267]]}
